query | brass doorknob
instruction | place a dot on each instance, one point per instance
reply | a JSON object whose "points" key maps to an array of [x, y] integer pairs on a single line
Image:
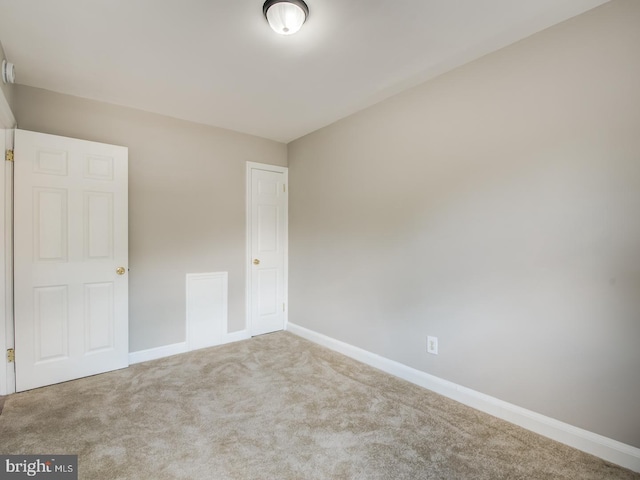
{"points": [[256, 261], [120, 270]]}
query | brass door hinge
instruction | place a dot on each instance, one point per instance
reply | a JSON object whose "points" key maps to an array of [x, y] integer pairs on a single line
{"points": [[8, 155], [11, 355]]}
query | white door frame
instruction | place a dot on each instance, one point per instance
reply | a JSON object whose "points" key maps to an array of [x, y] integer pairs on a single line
{"points": [[7, 371], [3, 278], [248, 258]]}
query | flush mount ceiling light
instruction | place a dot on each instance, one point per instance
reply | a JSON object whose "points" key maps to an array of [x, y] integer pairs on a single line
{"points": [[285, 16]]}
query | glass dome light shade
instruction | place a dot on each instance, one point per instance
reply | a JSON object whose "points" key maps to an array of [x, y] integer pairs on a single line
{"points": [[285, 17]]}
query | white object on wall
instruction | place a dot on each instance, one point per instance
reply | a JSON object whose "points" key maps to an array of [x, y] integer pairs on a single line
{"points": [[206, 309], [8, 72]]}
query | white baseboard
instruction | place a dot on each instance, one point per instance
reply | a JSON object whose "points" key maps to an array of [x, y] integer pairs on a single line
{"points": [[158, 352], [589, 442], [237, 336], [182, 347]]}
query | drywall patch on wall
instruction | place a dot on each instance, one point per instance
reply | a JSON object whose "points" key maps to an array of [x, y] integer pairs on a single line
{"points": [[206, 309]]}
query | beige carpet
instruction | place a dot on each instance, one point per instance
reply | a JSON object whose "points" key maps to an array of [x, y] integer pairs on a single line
{"points": [[276, 407]]}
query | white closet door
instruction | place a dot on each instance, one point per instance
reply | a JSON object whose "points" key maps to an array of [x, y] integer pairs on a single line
{"points": [[71, 256], [268, 237]]}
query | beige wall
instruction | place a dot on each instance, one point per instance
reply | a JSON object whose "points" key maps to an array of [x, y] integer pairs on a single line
{"points": [[496, 207], [7, 90], [186, 201]]}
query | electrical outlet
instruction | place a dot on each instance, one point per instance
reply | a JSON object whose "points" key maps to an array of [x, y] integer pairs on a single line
{"points": [[432, 345]]}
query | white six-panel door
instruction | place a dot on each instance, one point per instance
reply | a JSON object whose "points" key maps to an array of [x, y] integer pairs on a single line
{"points": [[71, 256], [268, 244]]}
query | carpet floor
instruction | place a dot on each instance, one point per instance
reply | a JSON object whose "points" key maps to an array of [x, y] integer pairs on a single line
{"points": [[276, 407]]}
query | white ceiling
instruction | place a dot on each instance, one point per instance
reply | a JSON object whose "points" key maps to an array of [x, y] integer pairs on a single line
{"points": [[217, 62]]}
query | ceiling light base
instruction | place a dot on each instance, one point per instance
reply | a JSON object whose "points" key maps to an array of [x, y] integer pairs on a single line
{"points": [[8, 72]]}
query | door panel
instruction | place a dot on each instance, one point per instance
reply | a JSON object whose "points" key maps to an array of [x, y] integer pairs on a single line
{"points": [[98, 221], [268, 234], [268, 290], [98, 316], [50, 218], [51, 322], [71, 307]]}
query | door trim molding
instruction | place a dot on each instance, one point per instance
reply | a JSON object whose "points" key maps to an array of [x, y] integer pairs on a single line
{"points": [[269, 168], [7, 340], [4, 251]]}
